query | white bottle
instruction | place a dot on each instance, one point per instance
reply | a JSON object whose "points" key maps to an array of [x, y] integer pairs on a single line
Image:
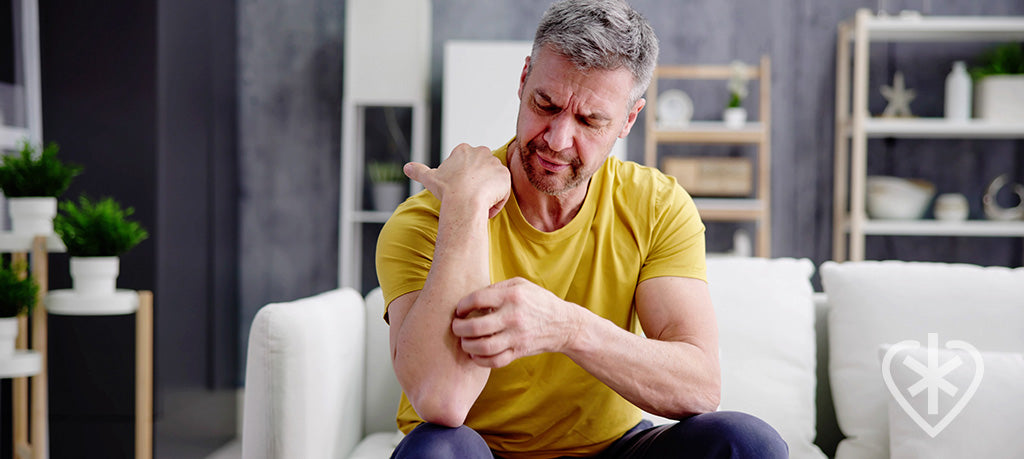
{"points": [[958, 93]]}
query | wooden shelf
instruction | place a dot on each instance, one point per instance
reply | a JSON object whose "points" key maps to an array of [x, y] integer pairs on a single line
{"points": [[756, 209], [978, 228], [940, 128], [730, 209], [712, 132], [854, 125]]}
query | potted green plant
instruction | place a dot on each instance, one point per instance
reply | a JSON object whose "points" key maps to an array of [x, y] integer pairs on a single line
{"points": [[32, 182], [999, 83], [17, 296], [735, 116], [96, 234], [388, 182]]}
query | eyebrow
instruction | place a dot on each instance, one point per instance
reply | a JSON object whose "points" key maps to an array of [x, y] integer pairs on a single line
{"points": [[596, 116]]}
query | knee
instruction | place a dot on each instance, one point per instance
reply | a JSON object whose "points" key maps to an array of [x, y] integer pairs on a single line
{"points": [[436, 441], [738, 435]]}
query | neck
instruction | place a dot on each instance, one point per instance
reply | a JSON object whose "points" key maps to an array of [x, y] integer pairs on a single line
{"points": [[541, 210]]}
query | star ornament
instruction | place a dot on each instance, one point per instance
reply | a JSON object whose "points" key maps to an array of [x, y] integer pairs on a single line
{"points": [[899, 98]]}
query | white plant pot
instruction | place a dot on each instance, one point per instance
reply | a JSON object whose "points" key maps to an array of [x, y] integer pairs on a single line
{"points": [[94, 275], [8, 336], [1000, 98], [32, 215], [387, 196], [734, 117]]}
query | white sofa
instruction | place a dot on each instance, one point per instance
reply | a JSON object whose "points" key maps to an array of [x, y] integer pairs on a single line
{"points": [[319, 381]]}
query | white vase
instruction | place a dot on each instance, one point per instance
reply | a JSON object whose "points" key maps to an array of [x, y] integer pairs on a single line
{"points": [[388, 195], [734, 117], [958, 93], [32, 215], [94, 275], [8, 336]]}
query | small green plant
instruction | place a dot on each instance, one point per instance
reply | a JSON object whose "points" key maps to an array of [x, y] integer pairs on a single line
{"points": [[385, 172], [32, 174], [17, 296], [97, 229], [1006, 59], [737, 84]]}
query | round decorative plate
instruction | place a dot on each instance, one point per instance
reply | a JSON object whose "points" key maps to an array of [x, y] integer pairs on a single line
{"points": [[674, 109]]}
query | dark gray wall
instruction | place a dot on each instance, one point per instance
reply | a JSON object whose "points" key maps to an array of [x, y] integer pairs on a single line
{"points": [[289, 112], [142, 94], [289, 127]]}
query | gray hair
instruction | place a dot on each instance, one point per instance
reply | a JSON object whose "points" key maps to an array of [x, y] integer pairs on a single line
{"points": [[602, 35]]}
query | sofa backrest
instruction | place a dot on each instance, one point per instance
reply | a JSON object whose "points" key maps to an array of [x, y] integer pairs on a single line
{"points": [[383, 391]]}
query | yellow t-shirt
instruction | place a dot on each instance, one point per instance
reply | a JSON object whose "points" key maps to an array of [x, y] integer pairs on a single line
{"points": [[635, 224]]}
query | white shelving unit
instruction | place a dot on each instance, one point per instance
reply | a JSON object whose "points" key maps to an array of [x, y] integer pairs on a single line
{"points": [[854, 125], [353, 216], [755, 209], [387, 64]]}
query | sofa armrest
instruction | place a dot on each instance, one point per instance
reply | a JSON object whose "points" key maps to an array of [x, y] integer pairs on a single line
{"points": [[304, 384]]}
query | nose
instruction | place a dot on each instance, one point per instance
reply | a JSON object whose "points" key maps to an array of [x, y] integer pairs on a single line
{"points": [[560, 131]]}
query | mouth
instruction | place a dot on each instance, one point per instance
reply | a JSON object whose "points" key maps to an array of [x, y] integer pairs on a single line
{"points": [[551, 166]]}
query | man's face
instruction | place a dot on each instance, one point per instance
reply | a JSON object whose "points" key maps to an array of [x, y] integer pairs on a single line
{"points": [[569, 120]]}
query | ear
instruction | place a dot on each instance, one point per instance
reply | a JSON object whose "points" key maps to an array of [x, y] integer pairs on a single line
{"points": [[522, 77], [631, 117]]}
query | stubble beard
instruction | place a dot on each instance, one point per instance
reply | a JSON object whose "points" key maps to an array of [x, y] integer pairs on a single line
{"points": [[545, 181]]}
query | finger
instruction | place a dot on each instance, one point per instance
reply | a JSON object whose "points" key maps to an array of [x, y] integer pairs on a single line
{"points": [[417, 171], [486, 346], [497, 207], [494, 361], [473, 302], [477, 325]]}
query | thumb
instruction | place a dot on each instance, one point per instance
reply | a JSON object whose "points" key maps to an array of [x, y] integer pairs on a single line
{"points": [[416, 171]]}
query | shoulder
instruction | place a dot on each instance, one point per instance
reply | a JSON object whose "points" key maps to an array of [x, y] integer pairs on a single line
{"points": [[643, 186], [417, 214]]}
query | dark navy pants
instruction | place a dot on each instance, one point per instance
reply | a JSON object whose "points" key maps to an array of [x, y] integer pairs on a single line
{"points": [[723, 434]]}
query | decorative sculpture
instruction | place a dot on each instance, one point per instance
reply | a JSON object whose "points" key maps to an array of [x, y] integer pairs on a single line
{"points": [[899, 97], [993, 211]]}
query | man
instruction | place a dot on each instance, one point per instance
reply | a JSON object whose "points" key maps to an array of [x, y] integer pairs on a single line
{"points": [[513, 282]]}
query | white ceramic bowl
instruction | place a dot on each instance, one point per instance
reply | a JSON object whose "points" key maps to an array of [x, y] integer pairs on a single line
{"points": [[895, 198]]}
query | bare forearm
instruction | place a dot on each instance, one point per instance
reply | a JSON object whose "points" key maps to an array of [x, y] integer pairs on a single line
{"points": [[673, 379], [438, 377]]}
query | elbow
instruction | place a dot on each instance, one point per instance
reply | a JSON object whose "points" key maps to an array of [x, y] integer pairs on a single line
{"points": [[437, 409], [704, 399], [436, 400], [708, 401], [709, 396]]}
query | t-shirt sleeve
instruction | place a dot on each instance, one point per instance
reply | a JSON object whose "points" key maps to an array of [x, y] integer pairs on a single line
{"points": [[677, 237], [405, 248]]}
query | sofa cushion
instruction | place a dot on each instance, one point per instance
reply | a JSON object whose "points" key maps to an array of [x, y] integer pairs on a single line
{"points": [[874, 303], [988, 424], [302, 387], [765, 317], [382, 388]]}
